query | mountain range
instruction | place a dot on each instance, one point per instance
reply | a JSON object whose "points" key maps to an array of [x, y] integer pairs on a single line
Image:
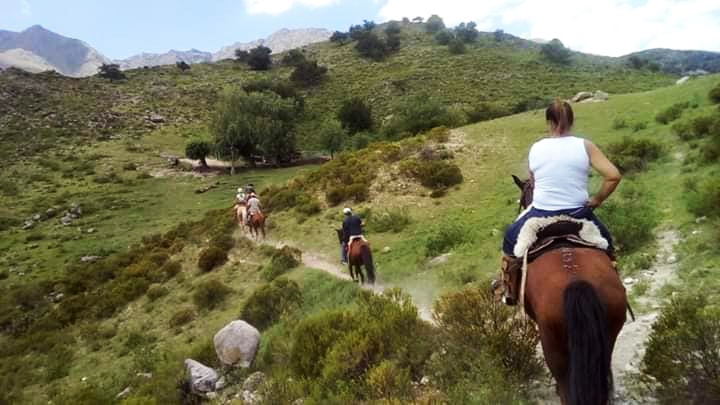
{"points": [[37, 49]]}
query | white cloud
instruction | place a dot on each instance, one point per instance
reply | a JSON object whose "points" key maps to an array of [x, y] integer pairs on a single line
{"points": [[275, 7], [25, 7], [607, 27]]}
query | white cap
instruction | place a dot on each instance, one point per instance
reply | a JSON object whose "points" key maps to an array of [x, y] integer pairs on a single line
{"points": [[347, 210], [240, 190]]}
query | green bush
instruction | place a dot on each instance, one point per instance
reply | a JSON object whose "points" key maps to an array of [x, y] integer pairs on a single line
{"points": [[281, 261], [638, 126], [714, 94], [632, 155], [270, 302], [156, 291], [619, 123], [631, 217], [210, 258], [389, 381], [683, 351], [435, 174], [695, 128], [487, 111], [445, 237], [704, 198], [182, 315], [210, 293], [456, 46], [389, 220], [416, 114], [171, 269], [671, 113]]}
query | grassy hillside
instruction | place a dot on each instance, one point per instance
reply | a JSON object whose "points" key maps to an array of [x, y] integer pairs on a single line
{"points": [[40, 110]]}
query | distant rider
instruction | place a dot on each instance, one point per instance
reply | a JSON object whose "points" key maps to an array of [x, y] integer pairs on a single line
{"points": [[253, 206], [352, 230]]}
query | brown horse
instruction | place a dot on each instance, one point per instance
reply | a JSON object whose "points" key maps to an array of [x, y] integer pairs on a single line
{"points": [[257, 224], [359, 256], [577, 300]]}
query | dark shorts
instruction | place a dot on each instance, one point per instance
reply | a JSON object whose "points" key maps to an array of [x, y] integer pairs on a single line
{"points": [[512, 232]]}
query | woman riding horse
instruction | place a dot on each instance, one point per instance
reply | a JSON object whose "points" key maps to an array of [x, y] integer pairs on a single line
{"points": [[573, 293]]}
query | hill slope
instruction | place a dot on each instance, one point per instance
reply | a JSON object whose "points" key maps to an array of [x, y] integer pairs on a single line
{"points": [[681, 62]]}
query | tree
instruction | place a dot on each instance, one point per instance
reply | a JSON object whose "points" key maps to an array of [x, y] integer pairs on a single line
{"points": [[355, 116], [418, 113], [198, 150], [418, 20], [340, 37], [637, 62], [259, 58], [245, 124], [332, 136], [444, 37], [456, 46], [499, 35], [308, 73], [434, 24], [467, 32], [111, 71], [392, 35], [369, 45], [555, 52], [242, 56], [293, 57], [182, 65]]}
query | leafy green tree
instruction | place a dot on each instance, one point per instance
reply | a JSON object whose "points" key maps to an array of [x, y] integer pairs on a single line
{"points": [[293, 57], [198, 150], [332, 136], [340, 38], [355, 116], [245, 124], [370, 46], [499, 35], [434, 24], [259, 58], [392, 36], [308, 73], [111, 71], [555, 52], [444, 37], [242, 56], [416, 114], [456, 46], [467, 32], [182, 65]]}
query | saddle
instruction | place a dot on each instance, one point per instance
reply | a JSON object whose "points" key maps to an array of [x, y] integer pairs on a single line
{"points": [[539, 235]]}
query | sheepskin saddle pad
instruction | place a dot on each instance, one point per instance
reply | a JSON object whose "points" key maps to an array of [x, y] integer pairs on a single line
{"points": [[540, 234]]}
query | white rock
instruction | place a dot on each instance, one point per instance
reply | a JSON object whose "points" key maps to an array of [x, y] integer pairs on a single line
{"points": [[696, 232], [425, 380], [581, 96], [671, 259], [442, 259], [600, 95], [628, 280], [683, 80], [386, 249], [700, 220], [237, 343], [202, 378], [123, 393], [90, 258]]}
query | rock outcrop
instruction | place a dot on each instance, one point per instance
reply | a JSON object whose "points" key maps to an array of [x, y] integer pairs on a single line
{"points": [[236, 344]]}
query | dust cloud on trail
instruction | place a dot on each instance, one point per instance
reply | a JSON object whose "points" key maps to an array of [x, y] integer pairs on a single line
{"points": [[422, 298]]}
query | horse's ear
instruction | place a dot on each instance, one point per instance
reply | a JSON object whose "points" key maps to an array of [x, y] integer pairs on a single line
{"points": [[518, 182]]}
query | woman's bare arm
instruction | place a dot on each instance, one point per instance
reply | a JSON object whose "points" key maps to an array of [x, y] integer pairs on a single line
{"points": [[611, 175]]}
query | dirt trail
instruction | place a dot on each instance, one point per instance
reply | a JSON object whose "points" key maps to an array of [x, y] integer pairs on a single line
{"points": [[317, 261]]}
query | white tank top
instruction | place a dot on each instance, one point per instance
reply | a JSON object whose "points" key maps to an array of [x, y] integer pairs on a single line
{"points": [[560, 166]]}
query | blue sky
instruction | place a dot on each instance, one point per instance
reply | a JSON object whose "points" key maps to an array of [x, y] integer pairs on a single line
{"points": [[609, 27]]}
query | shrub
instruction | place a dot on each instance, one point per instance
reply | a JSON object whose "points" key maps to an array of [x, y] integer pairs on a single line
{"points": [[437, 134], [270, 302], [434, 24], [714, 94], [417, 114], [630, 217], [388, 381], [282, 261], [695, 128], [171, 269], [156, 291], [456, 46], [444, 37], [555, 52], [182, 315], [210, 293], [445, 237], [474, 324], [355, 115], [389, 220], [671, 113], [682, 351], [308, 73], [293, 57], [487, 111], [631, 155], [130, 167], [638, 126], [619, 123], [435, 174], [259, 58], [210, 258], [198, 150], [704, 198]]}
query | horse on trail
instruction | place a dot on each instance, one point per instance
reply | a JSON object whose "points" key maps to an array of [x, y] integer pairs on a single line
{"points": [[239, 212], [359, 256], [576, 298], [257, 225]]}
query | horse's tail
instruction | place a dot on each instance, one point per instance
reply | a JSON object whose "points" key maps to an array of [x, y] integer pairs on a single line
{"points": [[590, 375], [368, 262]]}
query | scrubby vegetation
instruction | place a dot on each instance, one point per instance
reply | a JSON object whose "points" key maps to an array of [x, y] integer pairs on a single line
{"points": [[671, 113], [270, 302], [632, 155]]}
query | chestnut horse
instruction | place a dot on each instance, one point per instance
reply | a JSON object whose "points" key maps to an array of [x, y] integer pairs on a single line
{"points": [[577, 300], [359, 255], [257, 224]]}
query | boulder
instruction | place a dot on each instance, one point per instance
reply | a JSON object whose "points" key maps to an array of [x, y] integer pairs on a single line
{"points": [[202, 379], [156, 118], [50, 212], [600, 95], [36, 217], [90, 259], [254, 381], [237, 344], [682, 80], [442, 259], [581, 96], [28, 224], [66, 219]]}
